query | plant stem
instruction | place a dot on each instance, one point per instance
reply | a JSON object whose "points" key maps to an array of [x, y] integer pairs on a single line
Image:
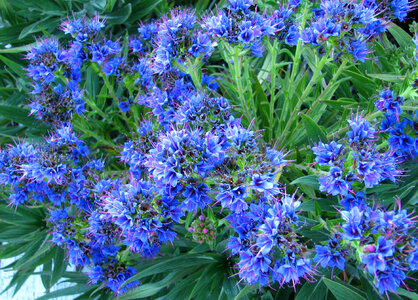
{"points": [[305, 93], [273, 51], [331, 82]]}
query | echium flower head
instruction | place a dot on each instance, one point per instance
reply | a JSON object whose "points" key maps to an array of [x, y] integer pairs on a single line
{"points": [[332, 7], [327, 154], [43, 47], [400, 8], [361, 130], [276, 158], [242, 6], [358, 48], [353, 227], [217, 25], [375, 260], [333, 255], [334, 183]]}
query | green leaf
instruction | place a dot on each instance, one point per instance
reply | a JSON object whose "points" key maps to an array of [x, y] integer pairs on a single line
{"points": [[60, 265], [410, 295], [341, 102], [178, 262], [46, 275], [243, 292], [310, 180], [369, 288], [402, 37], [21, 116], [388, 77], [72, 290], [315, 133], [343, 292], [119, 16], [150, 289], [312, 291], [15, 67], [34, 27], [17, 49], [261, 102]]}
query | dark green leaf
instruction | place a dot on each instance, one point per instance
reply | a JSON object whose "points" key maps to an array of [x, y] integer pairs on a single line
{"points": [[315, 133], [342, 291], [310, 180]]}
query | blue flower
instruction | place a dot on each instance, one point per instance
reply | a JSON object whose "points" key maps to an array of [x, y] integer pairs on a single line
{"points": [[334, 183], [358, 48], [353, 229], [327, 154], [361, 130], [124, 106], [376, 260]]}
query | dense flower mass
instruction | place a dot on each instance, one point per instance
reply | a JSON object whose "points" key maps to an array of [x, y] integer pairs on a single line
{"points": [[189, 156]]}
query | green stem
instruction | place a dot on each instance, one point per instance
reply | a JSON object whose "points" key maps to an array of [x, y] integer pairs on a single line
{"points": [[254, 106], [237, 71], [273, 52], [96, 136], [298, 53], [305, 93], [115, 98], [331, 82]]}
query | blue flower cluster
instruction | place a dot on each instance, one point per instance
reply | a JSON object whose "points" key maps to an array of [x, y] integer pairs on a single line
{"points": [[402, 139], [347, 26], [380, 239], [383, 241], [356, 162], [268, 244]]}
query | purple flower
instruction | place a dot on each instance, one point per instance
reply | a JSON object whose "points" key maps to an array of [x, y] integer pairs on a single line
{"points": [[361, 130], [353, 224], [376, 260], [334, 183], [358, 48], [124, 106], [327, 154]]}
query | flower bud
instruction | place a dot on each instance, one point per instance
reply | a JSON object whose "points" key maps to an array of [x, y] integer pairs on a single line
{"points": [[369, 249]]}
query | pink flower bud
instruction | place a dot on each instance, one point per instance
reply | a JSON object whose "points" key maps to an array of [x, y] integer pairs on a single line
{"points": [[201, 217], [205, 230], [190, 229], [369, 249]]}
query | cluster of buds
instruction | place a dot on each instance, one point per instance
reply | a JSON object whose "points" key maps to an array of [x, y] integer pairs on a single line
{"points": [[203, 230]]}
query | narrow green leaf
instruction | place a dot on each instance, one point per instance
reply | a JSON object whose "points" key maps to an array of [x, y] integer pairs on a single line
{"points": [[60, 265], [21, 116], [72, 290], [315, 133], [179, 263], [402, 37], [14, 66], [310, 180], [46, 275], [32, 28], [243, 292], [388, 77], [312, 291], [343, 292], [120, 15], [410, 295]]}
